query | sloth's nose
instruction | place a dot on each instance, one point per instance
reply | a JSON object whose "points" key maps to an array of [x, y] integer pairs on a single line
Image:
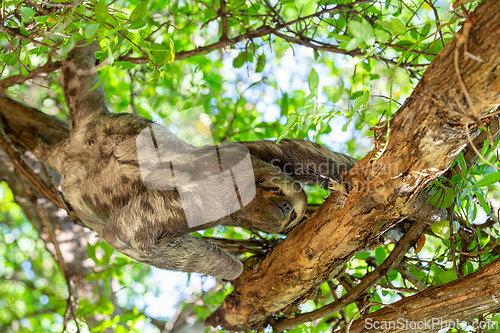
{"points": [[285, 205]]}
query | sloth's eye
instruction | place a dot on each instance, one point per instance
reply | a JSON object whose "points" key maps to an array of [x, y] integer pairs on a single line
{"points": [[293, 215], [276, 190]]}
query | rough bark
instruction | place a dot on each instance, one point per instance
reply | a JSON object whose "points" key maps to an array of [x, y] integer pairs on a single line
{"points": [[460, 300], [426, 134], [25, 126]]}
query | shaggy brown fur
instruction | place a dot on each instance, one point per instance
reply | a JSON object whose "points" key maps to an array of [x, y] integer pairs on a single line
{"points": [[101, 180]]}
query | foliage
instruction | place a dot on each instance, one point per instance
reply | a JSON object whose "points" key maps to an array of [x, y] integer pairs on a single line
{"points": [[316, 69]]}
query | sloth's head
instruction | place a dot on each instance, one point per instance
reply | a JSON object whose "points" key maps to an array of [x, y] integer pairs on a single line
{"points": [[279, 203]]}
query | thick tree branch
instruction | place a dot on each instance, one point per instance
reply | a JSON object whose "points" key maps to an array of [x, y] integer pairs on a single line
{"points": [[390, 263], [462, 299], [426, 135]]}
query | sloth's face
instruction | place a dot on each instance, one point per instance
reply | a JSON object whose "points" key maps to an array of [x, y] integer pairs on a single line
{"points": [[279, 204]]}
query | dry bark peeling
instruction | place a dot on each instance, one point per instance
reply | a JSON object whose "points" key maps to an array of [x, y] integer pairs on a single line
{"points": [[426, 134]]}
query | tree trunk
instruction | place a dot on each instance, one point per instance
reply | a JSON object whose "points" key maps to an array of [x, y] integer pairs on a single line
{"points": [[426, 135]]}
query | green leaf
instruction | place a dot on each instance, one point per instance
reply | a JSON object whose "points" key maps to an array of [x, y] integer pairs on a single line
{"points": [[91, 252], [42, 18], [101, 12], [105, 307], [313, 81], [335, 98], [362, 32], [124, 64], [121, 329], [101, 80], [380, 255], [240, 59], [27, 13], [362, 100], [488, 180], [443, 198], [91, 29], [382, 35], [446, 276], [362, 255], [161, 53], [398, 27], [441, 229], [138, 25], [139, 12], [340, 38], [291, 120], [9, 58], [261, 63], [462, 164], [284, 104]]}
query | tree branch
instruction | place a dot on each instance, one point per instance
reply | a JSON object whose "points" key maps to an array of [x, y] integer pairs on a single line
{"points": [[462, 300], [427, 133], [18, 79], [390, 263]]}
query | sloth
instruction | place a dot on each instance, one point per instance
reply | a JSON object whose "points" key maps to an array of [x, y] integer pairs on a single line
{"points": [[149, 219]]}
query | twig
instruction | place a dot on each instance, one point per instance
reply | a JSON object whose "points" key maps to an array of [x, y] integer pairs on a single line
{"points": [[401, 47], [14, 33], [223, 17], [60, 5], [132, 92], [18, 79], [438, 24], [410, 277], [230, 126]]}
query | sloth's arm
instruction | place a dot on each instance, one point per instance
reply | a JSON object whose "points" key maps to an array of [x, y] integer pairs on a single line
{"points": [[155, 238], [77, 77], [305, 161]]}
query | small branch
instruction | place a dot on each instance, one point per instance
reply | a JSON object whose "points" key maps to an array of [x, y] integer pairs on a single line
{"points": [[410, 277], [59, 256], [15, 34], [438, 24], [401, 47], [60, 5], [345, 318], [223, 17], [346, 282], [319, 46], [132, 92], [18, 79]]}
